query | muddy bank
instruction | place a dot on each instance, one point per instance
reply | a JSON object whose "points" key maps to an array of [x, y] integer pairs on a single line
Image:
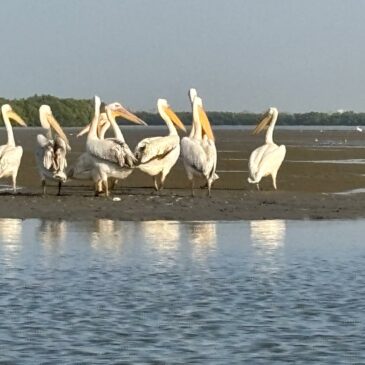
{"points": [[318, 165]]}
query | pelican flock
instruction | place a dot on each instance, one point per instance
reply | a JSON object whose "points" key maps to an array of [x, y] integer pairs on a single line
{"points": [[109, 159], [106, 157], [157, 155], [266, 159], [10, 154]]}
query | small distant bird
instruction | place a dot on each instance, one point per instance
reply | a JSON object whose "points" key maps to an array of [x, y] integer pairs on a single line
{"points": [[359, 129], [267, 159], [10, 154]]}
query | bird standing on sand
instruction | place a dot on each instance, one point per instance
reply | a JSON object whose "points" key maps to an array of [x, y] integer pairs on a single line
{"points": [[111, 156], [267, 159], [10, 154], [157, 155], [51, 151], [197, 151]]}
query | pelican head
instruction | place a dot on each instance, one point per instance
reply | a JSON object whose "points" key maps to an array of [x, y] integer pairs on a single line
{"points": [[192, 94], [165, 109], [7, 110], [272, 110], [203, 118], [117, 110], [265, 120], [49, 121]]}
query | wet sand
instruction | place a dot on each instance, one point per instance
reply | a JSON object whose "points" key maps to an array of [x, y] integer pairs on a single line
{"points": [[320, 170]]}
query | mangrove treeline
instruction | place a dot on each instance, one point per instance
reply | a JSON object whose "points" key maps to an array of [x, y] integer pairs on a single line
{"points": [[78, 112]]}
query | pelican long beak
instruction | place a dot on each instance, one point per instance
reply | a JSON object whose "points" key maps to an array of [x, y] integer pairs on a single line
{"points": [[14, 116], [57, 128], [175, 119], [207, 128], [83, 131], [124, 113], [263, 123]]}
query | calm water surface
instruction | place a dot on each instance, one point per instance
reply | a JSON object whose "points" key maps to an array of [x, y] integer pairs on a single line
{"points": [[259, 292]]}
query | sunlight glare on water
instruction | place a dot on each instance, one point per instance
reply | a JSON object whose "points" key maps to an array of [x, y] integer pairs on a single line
{"points": [[107, 291]]}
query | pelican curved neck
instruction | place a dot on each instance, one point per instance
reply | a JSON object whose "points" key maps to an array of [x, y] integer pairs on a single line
{"points": [[9, 129], [117, 132], [45, 123], [103, 130], [93, 132], [270, 130], [196, 129], [167, 120]]}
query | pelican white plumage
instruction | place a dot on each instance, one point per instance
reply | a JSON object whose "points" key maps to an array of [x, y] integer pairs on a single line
{"points": [[111, 156], [266, 159], [157, 155], [197, 154], [51, 151], [82, 169], [10, 154], [207, 143]]}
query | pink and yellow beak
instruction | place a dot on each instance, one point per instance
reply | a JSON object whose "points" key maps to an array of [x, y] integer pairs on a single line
{"points": [[207, 128], [102, 120], [175, 119], [124, 113], [83, 131], [57, 128], [14, 116], [263, 123]]}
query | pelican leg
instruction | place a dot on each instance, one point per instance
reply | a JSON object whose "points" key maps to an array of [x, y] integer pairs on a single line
{"points": [[97, 188], [105, 183], [14, 183], [258, 187], [209, 183], [59, 188], [192, 186], [155, 182], [162, 181], [113, 182], [44, 187], [274, 181]]}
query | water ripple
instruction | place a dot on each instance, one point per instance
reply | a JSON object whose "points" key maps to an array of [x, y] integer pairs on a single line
{"points": [[260, 292]]}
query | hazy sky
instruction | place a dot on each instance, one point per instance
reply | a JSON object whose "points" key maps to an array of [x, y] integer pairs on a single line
{"points": [[239, 54]]}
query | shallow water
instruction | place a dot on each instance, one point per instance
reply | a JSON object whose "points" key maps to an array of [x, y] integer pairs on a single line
{"points": [[259, 292]]}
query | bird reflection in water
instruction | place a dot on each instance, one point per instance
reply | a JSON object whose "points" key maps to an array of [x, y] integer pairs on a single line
{"points": [[52, 233], [163, 235], [107, 234], [204, 239], [10, 238], [268, 234]]}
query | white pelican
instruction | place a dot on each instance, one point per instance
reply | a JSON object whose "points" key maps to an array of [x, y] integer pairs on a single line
{"points": [[82, 168], [51, 152], [157, 155], [267, 159], [10, 154], [196, 154], [111, 156], [208, 144]]}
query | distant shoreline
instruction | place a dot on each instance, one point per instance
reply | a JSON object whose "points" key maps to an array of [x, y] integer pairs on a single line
{"points": [[78, 112]]}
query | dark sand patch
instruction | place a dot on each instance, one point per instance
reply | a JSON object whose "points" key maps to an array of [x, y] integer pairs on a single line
{"points": [[305, 188]]}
